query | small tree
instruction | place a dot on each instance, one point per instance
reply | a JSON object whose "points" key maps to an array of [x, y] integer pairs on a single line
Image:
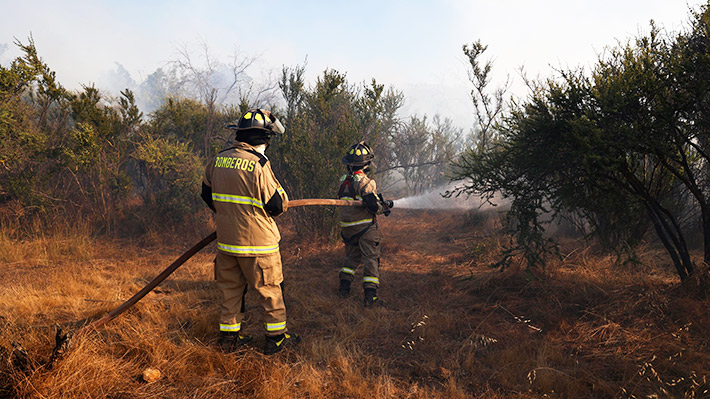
{"points": [[488, 106], [321, 124], [33, 109], [629, 138], [317, 135], [421, 152]]}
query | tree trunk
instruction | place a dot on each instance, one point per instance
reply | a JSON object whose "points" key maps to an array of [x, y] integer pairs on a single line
{"points": [[667, 228], [665, 239]]}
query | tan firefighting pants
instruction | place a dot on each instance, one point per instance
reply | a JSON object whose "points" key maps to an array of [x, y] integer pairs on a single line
{"points": [[264, 274], [367, 252]]}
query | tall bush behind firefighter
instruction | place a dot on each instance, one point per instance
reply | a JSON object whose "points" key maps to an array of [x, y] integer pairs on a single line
{"points": [[241, 188], [359, 224]]}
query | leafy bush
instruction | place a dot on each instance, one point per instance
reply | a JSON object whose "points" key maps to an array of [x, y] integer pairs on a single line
{"points": [[172, 174]]}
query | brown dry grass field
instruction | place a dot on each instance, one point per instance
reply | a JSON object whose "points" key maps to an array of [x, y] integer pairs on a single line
{"points": [[452, 327]]}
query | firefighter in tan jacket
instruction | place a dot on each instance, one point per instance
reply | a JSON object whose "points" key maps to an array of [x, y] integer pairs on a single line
{"points": [[359, 225], [241, 188]]}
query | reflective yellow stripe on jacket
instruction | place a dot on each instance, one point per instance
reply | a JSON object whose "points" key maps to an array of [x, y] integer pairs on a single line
{"points": [[356, 223], [357, 197], [254, 250], [237, 199]]}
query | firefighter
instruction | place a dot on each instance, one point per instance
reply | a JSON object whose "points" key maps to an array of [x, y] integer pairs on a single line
{"points": [[240, 187], [359, 224]]}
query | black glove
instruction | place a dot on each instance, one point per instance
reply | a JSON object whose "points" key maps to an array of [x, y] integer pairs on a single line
{"points": [[386, 205]]}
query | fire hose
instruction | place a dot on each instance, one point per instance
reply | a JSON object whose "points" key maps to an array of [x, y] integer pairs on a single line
{"points": [[63, 341], [192, 251]]}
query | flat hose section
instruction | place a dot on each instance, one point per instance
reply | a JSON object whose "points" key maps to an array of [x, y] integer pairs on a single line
{"points": [[192, 251]]}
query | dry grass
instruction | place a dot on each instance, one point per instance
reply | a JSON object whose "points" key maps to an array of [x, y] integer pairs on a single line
{"points": [[451, 328]]}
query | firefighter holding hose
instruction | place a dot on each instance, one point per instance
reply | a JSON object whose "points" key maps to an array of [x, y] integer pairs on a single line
{"points": [[240, 187], [359, 224]]}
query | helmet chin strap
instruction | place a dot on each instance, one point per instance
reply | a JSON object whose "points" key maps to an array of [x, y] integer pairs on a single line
{"points": [[365, 168]]}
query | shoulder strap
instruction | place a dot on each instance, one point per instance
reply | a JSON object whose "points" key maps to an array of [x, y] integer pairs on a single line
{"points": [[262, 158], [346, 188], [356, 237]]}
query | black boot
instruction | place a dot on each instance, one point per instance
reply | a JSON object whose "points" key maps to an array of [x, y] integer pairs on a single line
{"points": [[277, 342], [231, 341], [371, 299], [344, 289]]}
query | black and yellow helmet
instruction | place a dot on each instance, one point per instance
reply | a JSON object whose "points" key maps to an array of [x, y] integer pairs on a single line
{"points": [[359, 154], [260, 120]]}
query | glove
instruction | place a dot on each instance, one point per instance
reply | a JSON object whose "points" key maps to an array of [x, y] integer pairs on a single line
{"points": [[386, 204]]}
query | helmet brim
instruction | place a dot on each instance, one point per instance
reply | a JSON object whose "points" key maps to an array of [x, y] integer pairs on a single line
{"points": [[346, 160]]}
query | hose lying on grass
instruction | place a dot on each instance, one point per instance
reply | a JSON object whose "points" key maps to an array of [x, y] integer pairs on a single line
{"points": [[63, 341]]}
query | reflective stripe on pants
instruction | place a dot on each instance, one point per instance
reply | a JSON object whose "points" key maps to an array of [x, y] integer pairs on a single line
{"points": [[264, 273], [367, 252]]}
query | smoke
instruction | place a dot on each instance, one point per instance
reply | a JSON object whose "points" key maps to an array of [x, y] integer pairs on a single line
{"points": [[206, 80], [3, 48], [117, 79], [434, 199]]}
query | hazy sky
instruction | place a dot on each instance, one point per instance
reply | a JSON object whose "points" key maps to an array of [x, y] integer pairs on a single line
{"points": [[413, 45]]}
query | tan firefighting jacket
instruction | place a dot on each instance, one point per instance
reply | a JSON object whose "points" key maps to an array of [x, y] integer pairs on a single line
{"points": [[246, 196], [355, 219]]}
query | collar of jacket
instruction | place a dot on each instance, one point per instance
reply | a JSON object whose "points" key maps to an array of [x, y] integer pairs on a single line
{"points": [[256, 150], [261, 148], [245, 146]]}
